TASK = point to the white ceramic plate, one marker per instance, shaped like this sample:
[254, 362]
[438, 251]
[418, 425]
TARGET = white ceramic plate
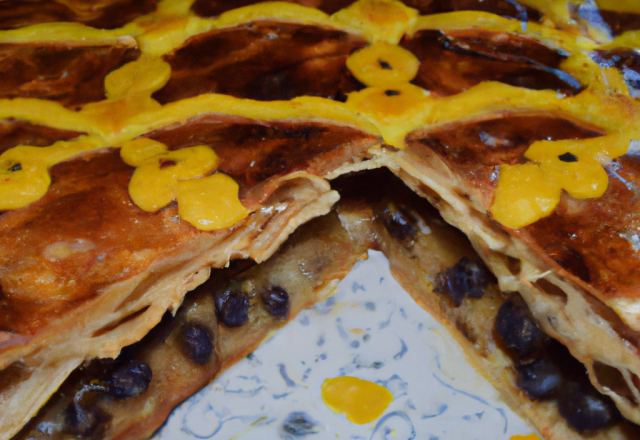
[373, 330]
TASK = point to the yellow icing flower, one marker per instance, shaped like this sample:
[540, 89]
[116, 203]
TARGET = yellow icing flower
[154, 183]
[531, 191]
[383, 64]
[211, 202]
[161, 176]
[572, 166]
[395, 110]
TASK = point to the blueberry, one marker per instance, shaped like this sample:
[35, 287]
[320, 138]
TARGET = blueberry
[276, 301]
[398, 226]
[585, 409]
[518, 330]
[129, 380]
[539, 379]
[465, 278]
[197, 343]
[232, 309]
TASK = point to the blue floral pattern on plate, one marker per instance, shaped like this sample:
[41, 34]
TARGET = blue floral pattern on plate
[370, 329]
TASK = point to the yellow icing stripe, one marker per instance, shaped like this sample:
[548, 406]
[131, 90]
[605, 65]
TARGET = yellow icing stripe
[72, 33]
[167, 35]
[379, 20]
[359, 400]
[304, 108]
[618, 5]
[141, 77]
[47, 113]
[465, 20]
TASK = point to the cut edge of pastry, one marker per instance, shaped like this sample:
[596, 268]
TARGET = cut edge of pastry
[565, 312]
[124, 312]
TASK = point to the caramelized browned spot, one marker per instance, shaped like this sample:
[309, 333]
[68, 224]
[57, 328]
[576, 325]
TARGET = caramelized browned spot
[263, 61]
[83, 235]
[210, 8]
[620, 22]
[108, 15]
[569, 259]
[68, 75]
[18, 13]
[453, 62]
[601, 232]
[505, 8]
[16, 132]
[251, 153]
[474, 149]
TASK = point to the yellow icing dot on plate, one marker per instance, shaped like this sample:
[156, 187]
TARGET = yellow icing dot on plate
[359, 400]
[525, 437]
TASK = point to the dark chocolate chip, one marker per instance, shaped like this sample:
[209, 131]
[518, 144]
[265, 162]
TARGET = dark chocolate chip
[197, 343]
[391, 92]
[16, 167]
[539, 378]
[466, 278]
[568, 157]
[384, 65]
[398, 226]
[232, 309]
[276, 301]
[585, 409]
[129, 380]
[517, 328]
